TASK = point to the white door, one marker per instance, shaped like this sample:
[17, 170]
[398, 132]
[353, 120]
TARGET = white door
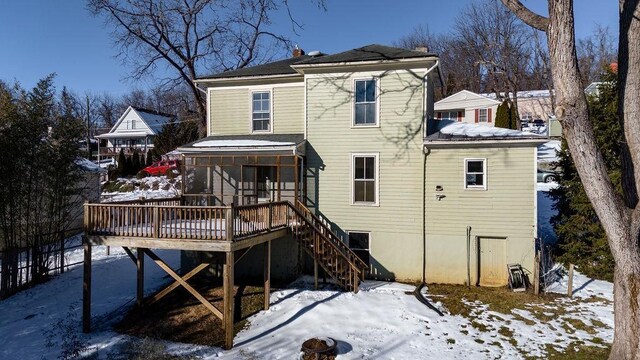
[493, 261]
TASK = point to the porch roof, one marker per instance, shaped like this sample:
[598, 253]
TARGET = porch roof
[123, 135]
[265, 144]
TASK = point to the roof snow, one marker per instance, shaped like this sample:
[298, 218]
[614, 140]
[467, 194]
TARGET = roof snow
[521, 94]
[241, 143]
[153, 119]
[450, 130]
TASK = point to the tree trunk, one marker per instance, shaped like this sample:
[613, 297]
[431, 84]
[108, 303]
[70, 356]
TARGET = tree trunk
[626, 289]
[626, 250]
[620, 217]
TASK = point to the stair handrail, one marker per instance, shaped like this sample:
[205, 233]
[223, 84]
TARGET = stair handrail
[363, 267]
[329, 241]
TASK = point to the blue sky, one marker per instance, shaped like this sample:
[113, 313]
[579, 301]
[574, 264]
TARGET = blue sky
[38, 37]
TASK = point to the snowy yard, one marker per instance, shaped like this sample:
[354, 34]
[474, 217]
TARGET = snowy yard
[381, 321]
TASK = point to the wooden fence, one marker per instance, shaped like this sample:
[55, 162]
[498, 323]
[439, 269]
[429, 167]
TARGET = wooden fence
[25, 266]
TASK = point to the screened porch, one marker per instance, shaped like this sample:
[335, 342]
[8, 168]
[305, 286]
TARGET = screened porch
[223, 171]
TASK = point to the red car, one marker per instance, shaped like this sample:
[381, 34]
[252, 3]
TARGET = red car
[162, 168]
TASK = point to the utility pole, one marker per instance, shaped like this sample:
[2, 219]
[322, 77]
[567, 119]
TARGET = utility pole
[88, 129]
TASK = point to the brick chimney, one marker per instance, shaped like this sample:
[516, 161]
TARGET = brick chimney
[297, 52]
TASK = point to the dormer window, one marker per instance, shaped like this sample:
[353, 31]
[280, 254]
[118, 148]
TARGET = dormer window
[366, 103]
[261, 111]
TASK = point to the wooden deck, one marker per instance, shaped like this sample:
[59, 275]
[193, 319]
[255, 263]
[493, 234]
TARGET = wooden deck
[165, 224]
[177, 227]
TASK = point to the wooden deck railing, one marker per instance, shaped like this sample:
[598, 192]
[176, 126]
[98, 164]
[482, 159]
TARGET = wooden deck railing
[254, 219]
[183, 222]
[228, 223]
[157, 221]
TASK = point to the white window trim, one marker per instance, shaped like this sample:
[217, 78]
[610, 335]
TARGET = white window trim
[271, 122]
[484, 172]
[353, 103]
[352, 201]
[480, 115]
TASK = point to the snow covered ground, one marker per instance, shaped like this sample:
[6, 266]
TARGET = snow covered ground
[28, 318]
[381, 321]
[547, 151]
[151, 187]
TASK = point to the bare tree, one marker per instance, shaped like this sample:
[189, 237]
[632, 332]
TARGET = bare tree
[192, 36]
[595, 52]
[619, 215]
[459, 66]
[500, 42]
[108, 111]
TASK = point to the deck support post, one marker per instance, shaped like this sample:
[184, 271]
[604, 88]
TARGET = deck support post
[315, 273]
[267, 273]
[86, 287]
[227, 302]
[140, 278]
[296, 180]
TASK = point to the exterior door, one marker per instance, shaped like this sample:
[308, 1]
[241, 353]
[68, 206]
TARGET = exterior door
[265, 183]
[492, 261]
[259, 184]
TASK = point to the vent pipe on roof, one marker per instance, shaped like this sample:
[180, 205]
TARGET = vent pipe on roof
[297, 52]
[423, 49]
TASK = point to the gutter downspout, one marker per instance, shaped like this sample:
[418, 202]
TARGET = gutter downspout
[425, 152]
[418, 291]
[468, 256]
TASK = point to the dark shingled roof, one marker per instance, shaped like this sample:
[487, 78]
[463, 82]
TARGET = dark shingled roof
[153, 112]
[293, 138]
[366, 53]
[281, 67]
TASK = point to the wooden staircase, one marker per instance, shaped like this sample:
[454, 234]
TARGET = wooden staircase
[325, 247]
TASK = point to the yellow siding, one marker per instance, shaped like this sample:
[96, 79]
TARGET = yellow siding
[230, 110]
[395, 225]
[506, 209]
[288, 110]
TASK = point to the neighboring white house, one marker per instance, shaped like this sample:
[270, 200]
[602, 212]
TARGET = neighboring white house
[135, 130]
[532, 104]
[467, 106]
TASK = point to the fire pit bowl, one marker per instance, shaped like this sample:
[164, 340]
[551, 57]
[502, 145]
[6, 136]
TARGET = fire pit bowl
[319, 348]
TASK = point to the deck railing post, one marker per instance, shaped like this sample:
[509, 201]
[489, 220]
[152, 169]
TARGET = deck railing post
[156, 221]
[86, 218]
[270, 215]
[229, 218]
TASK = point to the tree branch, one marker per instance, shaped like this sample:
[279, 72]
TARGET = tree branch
[529, 17]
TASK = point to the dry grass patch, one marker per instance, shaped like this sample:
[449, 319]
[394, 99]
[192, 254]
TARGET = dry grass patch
[180, 317]
[578, 351]
[501, 299]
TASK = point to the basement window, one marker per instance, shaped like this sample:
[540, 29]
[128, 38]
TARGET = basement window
[475, 174]
[359, 244]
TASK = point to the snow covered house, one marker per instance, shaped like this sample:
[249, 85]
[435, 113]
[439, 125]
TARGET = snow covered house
[469, 107]
[329, 162]
[350, 125]
[134, 130]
